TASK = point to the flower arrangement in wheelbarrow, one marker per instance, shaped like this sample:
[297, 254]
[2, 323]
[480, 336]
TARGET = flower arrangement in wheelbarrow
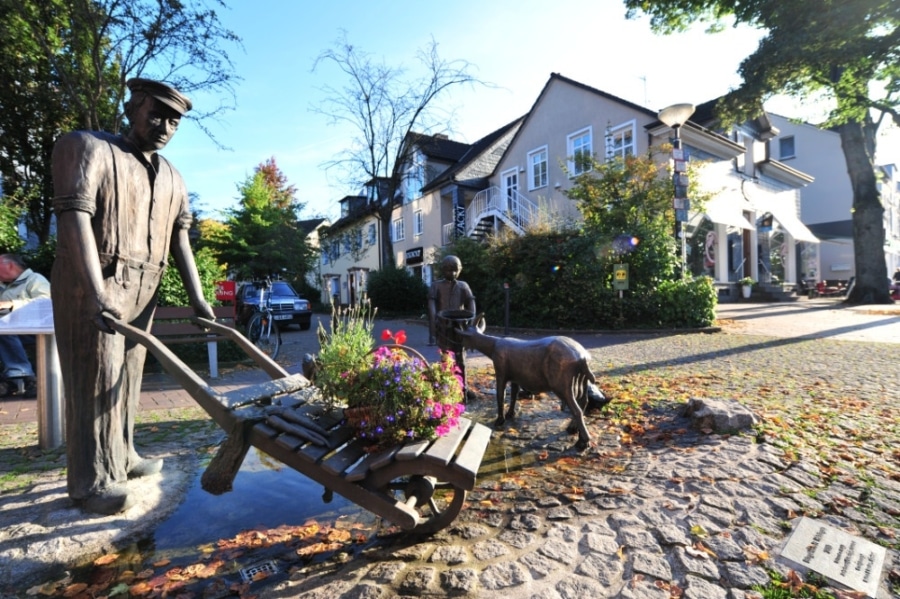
[401, 397]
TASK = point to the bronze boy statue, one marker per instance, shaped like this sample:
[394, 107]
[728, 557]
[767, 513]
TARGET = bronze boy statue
[446, 297]
[121, 210]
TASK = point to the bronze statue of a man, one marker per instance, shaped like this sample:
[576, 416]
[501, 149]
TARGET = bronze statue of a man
[121, 210]
[447, 295]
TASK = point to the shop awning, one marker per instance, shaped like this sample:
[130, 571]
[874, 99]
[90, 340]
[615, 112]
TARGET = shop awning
[785, 214]
[727, 211]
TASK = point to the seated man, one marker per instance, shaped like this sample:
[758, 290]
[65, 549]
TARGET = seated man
[18, 286]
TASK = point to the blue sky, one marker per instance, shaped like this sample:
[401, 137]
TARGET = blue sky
[514, 45]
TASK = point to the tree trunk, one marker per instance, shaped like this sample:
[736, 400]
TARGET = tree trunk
[870, 286]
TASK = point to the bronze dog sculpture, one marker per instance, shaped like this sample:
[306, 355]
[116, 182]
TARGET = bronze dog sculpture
[557, 364]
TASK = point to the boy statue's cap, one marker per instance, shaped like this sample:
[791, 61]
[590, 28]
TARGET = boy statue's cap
[169, 96]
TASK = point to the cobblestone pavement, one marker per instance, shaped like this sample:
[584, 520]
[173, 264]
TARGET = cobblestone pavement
[655, 508]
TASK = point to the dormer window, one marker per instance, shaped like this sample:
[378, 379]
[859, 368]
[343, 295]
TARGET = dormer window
[786, 147]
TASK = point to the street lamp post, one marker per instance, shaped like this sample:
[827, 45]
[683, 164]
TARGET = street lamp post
[675, 116]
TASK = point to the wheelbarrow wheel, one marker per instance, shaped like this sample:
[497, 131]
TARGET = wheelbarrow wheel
[438, 503]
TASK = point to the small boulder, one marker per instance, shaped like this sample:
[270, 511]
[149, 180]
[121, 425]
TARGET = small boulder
[719, 415]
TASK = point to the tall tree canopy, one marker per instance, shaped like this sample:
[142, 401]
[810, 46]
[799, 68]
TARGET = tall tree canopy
[846, 52]
[261, 237]
[64, 64]
[385, 106]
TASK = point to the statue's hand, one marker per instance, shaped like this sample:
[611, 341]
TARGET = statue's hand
[105, 306]
[203, 310]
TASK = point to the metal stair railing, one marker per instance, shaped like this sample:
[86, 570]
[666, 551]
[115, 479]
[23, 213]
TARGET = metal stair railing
[514, 209]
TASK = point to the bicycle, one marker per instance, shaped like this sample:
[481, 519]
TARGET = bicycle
[261, 328]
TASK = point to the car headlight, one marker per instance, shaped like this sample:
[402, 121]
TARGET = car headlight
[299, 305]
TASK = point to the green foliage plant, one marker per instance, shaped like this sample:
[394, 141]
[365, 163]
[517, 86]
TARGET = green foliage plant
[171, 290]
[395, 290]
[343, 349]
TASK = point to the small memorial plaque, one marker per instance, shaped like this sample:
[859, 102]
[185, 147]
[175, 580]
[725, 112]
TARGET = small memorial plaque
[842, 558]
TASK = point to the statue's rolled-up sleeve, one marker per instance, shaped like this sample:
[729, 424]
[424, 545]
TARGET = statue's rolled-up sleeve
[76, 172]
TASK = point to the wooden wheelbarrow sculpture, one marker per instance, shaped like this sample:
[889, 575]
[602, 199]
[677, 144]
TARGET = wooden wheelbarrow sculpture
[420, 487]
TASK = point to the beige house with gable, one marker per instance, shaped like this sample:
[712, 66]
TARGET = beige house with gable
[517, 175]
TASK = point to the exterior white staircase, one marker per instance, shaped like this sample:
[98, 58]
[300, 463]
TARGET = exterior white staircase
[492, 205]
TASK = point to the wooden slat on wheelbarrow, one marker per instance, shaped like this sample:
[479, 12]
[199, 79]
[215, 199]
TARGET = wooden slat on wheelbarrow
[344, 457]
[444, 448]
[469, 459]
[266, 390]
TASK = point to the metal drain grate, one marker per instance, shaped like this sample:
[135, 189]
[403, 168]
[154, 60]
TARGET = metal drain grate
[267, 568]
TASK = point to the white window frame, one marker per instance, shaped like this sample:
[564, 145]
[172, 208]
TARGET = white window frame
[781, 154]
[538, 170]
[571, 149]
[398, 229]
[418, 223]
[372, 236]
[415, 179]
[620, 132]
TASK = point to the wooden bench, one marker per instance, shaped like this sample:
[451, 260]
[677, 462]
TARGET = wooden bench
[172, 326]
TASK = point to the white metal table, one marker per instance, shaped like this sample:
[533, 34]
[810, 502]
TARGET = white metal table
[36, 318]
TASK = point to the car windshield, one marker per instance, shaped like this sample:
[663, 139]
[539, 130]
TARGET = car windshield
[281, 288]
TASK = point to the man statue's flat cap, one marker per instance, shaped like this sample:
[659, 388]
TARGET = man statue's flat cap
[169, 96]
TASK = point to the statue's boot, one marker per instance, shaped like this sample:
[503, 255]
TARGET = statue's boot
[145, 467]
[111, 500]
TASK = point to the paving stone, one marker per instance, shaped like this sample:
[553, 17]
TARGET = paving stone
[723, 518]
[642, 589]
[418, 580]
[549, 501]
[704, 566]
[469, 531]
[579, 587]
[638, 537]
[611, 502]
[488, 550]
[599, 527]
[560, 550]
[651, 563]
[717, 500]
[605, 569]
[742, 594]
[671, 534]
[517, 538]
[385, 572]
[744, 576]
[451, 555]
[546, 594]
[698, 588]
[586, 508]
[502, 576]
[620, 519]
[365, 590]
[525, 522]
[560, 513]
[494, 519]
[565, 531]
[524, 507]
[540, 565]
[597, 543]
[724, 546]
[459, 581]
[413, 552]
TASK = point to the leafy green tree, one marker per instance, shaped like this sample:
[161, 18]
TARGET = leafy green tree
[395, 290]
[260, 237]
[842, 51]
[171, 290]
[10, 241]
[64, 64]
[385, 108]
